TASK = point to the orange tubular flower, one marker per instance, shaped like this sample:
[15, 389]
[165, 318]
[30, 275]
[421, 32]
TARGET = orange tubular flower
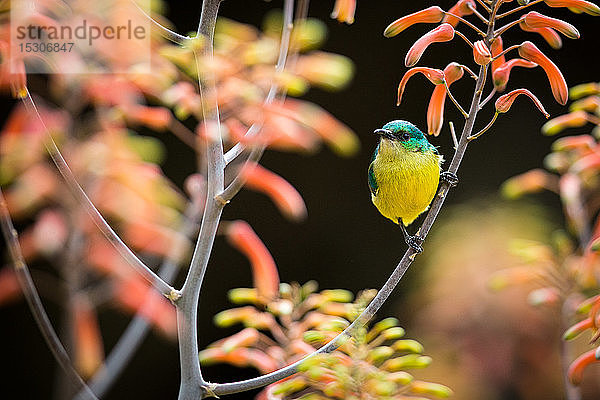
[530, 52]
[89, 348]
[435, 110]
[429, 15]
[461, 8]
[576, 6]
[496, 48]
[504, 102]
[443, 33]
[481, 53]
[435, 76]
[264, 271]
[548, 34]
[536, 20]
[283, 194]
[577, 367]
[502, 73]
[556, 125]
[344, 10]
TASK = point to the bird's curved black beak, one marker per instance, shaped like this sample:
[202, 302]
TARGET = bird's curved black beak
[383, 132]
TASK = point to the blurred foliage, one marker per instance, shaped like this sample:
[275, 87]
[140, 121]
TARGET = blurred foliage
[298, 321]
[567, 269]
[110, 127]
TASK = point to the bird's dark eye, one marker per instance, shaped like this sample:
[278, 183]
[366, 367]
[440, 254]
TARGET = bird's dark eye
[405, 136]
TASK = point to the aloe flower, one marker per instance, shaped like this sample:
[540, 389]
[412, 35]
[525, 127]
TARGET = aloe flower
[530, 52]
[481, 53]
[536, 20]
[435, 110]
[461, 8]
[504, 102]
[576, 6]
[502, 74]
[435, 76]
[443, 33]
[429, 15]
[344, 11]
[548, 34]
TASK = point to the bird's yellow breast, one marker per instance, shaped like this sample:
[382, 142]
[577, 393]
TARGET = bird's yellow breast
[406, 181]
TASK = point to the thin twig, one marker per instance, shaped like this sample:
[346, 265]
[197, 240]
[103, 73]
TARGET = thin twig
[477, 13]
[34, 302]
[488, 98]
[514, 10]
[97, 218]
[403, 265]
[453, 134]
[485, 129]
[506, 27]
[238, 182]
[183, 133]
[469, 71]
[462, 110]
[464, 21]
[514, 46]
[284, 46]
[485, 6]
[164, 31]
[464, 38]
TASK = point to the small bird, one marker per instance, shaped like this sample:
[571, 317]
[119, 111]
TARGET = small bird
[404, 175]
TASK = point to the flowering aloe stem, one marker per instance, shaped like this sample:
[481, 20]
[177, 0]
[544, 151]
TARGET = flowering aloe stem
[97, 218]
[33, 300]
[403, 265]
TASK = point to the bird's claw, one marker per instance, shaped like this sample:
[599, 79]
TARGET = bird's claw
[414, 242]
[450, 178]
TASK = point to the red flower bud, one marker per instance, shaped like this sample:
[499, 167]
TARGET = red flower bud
[435, 76]
[504, 102]
[530, 52]
[577, 367]
[548, 34]
[435, 111]
[442, 33]
[536, 20]
[481, 53]
[461, 8]
[575, 6]
[429, 15]
[264, 270]
[502, 73]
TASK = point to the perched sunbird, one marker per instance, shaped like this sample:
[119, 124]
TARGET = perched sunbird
[404, 175]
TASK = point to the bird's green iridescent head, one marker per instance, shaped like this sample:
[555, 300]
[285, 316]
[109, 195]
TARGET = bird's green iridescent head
[407, 135]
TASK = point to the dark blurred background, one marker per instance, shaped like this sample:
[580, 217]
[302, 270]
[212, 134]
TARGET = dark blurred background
[344, 242]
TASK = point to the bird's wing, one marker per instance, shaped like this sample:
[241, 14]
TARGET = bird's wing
[372, 181]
